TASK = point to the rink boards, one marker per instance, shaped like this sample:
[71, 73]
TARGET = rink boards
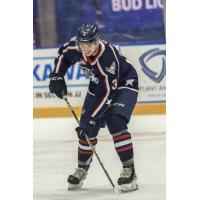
[148, 60]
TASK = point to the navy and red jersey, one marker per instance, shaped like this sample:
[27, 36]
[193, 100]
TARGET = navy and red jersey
[108, 70]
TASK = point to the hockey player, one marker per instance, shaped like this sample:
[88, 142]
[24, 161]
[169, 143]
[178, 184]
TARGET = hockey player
[111, 97]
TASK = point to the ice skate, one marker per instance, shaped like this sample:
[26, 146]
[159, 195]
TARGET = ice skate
[76, 180]
[127, 179]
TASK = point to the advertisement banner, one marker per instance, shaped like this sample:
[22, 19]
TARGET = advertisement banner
[117, 20]
[76, 80]
[148, 60]
[141, 14]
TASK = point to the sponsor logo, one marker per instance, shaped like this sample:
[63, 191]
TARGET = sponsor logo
[118, 104]
[57, 78]
[153, 64]
[91, 122]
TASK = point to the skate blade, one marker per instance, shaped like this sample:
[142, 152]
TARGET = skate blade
[128, 187]
[74, 186]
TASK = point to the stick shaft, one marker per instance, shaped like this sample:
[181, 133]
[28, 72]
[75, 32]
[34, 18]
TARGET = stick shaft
[88, 140]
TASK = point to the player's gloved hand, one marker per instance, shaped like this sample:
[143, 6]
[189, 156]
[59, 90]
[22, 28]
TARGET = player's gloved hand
[57, 84]
[82, 131]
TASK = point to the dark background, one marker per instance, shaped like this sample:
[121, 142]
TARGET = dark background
[56, 21]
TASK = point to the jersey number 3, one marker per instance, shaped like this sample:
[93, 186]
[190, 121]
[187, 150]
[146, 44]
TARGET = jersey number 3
[114, 84]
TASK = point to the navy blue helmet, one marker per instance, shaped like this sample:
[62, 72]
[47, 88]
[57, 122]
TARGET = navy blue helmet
[87, 33]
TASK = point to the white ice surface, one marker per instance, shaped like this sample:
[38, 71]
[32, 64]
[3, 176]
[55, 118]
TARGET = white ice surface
[55, 157]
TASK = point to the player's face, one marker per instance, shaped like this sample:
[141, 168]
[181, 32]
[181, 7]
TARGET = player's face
[89, 49]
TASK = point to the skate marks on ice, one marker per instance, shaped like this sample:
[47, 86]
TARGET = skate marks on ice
[100, 194]
[55, 160]
[84, 194]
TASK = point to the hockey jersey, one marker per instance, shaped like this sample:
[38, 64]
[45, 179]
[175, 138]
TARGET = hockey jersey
[108, 70]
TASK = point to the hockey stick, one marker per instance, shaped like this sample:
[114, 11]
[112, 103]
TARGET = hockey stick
[92, 147]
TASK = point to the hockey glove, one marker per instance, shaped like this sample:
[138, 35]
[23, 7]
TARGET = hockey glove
[81, 132]
[57, 84]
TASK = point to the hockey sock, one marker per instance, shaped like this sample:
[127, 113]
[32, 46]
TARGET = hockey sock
[85, 153]
[121, 137]
[123, 146]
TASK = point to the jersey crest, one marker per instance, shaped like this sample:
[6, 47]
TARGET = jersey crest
[112, 68]
[90, 74]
